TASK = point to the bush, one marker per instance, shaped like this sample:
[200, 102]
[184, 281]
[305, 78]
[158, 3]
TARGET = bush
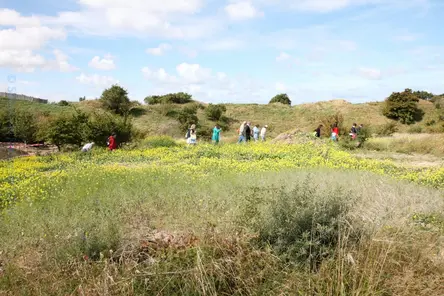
[387, 129]
[158, 141]
[63, 131]
[302, 226]
[63, 103]
[403, 106]
[415, 129]
[281, 98]
[329, 120]
[101, 126]
[215, 112]
[187, 116]
[24, 126]
[116, 100]
[172, 98]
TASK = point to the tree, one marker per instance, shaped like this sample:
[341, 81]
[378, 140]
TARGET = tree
[24, 126]
[281, 98]
[172, 98]
[72, 130]
[100, 127]
[63, 103]
[116, 100]
[424, 95]
[81, 99]
[215, 112]
[403, 106]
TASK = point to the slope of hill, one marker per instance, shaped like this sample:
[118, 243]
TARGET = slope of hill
[152, 119]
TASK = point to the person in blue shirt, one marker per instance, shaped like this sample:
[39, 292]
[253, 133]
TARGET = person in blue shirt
[216, 134]
[256, 132]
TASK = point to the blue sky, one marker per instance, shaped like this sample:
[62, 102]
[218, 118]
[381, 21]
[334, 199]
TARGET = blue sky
[241, 51]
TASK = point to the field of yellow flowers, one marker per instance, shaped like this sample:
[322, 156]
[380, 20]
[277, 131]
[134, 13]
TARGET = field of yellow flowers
[34, 178]
[253, 219]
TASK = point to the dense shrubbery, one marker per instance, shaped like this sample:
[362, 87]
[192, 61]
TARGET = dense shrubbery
[281, 98]
[387, 129]
[215, 112]
[329, 120]
[403, 106]
[115, 99]
[172, 98]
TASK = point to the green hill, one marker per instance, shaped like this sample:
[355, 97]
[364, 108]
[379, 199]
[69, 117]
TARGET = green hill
[153, 119]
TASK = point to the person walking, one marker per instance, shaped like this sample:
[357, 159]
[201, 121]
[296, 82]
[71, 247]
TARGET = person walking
[263, 132]
[191, 135]
[112, 144]
[353, 131]
[335, 132]
[256, 132]
[318, 131]
[247, 132]
[242, 136]
[216, 134]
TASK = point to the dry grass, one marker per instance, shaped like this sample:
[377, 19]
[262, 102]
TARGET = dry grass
[409, 143]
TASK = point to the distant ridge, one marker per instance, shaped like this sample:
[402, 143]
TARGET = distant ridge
[22, 97]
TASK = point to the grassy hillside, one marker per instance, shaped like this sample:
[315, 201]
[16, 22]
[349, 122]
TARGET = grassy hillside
[152, 119]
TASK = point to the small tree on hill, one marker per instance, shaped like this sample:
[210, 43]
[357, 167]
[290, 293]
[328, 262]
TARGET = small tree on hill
[281, 98]
[116, 100]
[403, 106]
[172, 98]
[215, 112]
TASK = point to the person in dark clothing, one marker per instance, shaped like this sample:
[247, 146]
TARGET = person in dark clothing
[247, 132]
[353, 131]
[318, 131]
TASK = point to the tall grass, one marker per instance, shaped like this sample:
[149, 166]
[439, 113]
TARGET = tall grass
[172, 234]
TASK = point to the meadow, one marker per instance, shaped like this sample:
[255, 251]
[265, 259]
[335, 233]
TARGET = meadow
[259, 219]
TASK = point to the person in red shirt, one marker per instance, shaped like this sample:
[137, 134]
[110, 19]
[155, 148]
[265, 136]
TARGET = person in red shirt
[112, 142]
[335, 132]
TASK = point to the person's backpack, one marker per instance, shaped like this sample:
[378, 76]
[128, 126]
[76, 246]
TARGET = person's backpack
[188, 134]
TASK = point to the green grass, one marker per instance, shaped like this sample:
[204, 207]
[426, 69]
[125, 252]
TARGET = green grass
[143, 233]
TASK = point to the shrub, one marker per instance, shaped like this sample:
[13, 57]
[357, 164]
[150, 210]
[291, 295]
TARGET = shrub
[172, 98]
[63, 103]
[116, 100]
[6, 132]
[187, 116]
[403, 106]
[387, 129]
[24, 126]
[415, 129]
[215, 112]
[158, 141]
[329, 120]
[101, 126]
[63, 131]
[302, 226]
[281, 98]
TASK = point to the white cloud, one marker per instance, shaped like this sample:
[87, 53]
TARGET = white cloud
[160, 50]
[106, 63]
[242, 10]
[169, 18]
[21, 60]
[9, 17]
[27, 61]
[369, 73]
[96, 80]
[283, 56]
[29, 38]
[202, 82]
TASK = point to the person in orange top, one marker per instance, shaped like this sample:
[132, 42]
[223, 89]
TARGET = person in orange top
[112, 142]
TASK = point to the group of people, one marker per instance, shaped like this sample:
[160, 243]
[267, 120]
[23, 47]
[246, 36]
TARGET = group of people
[246, 132]
[334, 130]
[191, 135]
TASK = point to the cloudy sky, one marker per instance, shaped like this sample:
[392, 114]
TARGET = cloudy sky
[222, 50]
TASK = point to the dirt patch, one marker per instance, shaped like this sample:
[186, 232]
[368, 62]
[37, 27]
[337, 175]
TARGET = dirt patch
[11, 150]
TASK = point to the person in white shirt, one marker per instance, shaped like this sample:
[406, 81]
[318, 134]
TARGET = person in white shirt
[263, 132]
[87, 147]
